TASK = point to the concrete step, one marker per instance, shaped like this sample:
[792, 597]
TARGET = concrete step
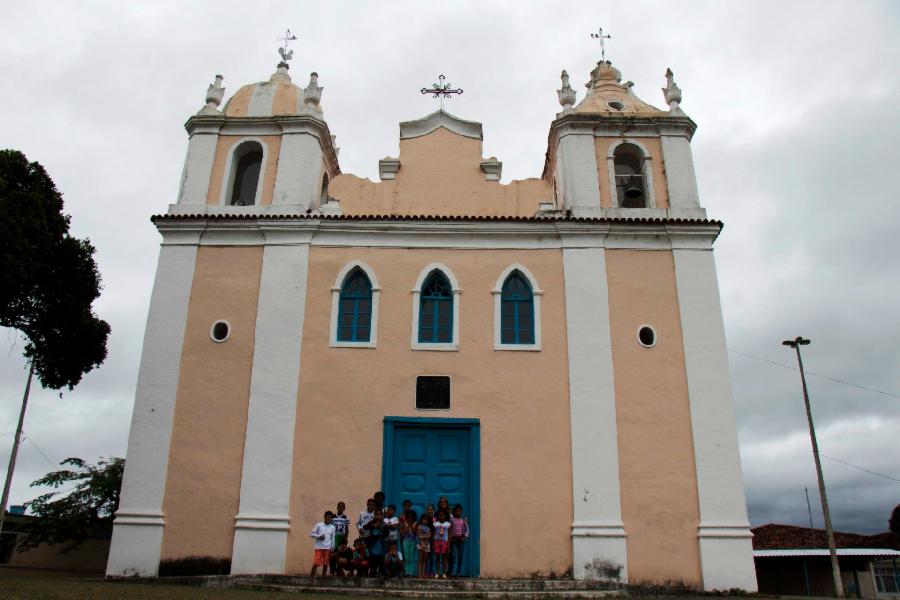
[443, 585]
[422, 592]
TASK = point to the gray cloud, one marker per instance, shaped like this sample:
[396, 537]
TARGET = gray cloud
[795, 152]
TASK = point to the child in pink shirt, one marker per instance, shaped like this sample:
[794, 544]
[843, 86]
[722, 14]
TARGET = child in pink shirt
[459, 533]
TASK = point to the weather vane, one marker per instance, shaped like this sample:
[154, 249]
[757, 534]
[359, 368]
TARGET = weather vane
[441, 90]
[286, 54]
[599, 36]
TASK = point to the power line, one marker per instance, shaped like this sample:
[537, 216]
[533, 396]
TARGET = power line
[834, 379]
[837, 460]
[50, 462]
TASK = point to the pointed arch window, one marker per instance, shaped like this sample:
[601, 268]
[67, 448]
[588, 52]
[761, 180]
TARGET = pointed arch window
[355, 308]
[436, 310]
[516, 311]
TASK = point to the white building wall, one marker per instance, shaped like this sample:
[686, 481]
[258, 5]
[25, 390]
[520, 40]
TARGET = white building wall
[198, 166]
[726, 552]
[263, 521]
[576, 170]
[138, 527]
[598, 536]
[679, 166]
[299, 177]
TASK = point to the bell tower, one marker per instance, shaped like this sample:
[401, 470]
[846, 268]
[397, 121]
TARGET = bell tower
[268, 151]
[614, 158]
[614, 155]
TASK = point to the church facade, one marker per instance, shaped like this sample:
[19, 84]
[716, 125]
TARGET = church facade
[550, 352]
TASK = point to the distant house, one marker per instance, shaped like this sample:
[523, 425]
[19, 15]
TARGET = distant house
[90, 557]
[794, 561]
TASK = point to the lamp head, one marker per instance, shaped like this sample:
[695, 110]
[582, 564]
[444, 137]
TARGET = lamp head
[798, 341]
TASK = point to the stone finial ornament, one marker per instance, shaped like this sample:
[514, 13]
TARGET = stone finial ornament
[214, 94]
[566, 95]
[672, 94]
[312, 93]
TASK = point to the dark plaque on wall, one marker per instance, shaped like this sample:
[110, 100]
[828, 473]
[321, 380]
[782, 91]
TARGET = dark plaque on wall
[433, 392]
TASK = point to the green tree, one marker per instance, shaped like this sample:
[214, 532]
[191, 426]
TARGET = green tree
[48, 279]
[71, 516]
[48, 282]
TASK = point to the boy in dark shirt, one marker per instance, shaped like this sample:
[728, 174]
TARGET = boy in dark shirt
[342, 559]
[376, 532]
[393, 564]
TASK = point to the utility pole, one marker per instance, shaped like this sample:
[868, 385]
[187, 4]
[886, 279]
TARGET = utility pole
[15, 448]
[835, 567]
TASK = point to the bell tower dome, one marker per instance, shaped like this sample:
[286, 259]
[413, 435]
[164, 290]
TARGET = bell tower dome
[614, 155]
[269, 150]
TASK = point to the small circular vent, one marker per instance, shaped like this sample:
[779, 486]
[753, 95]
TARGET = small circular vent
[220, 331]
[646, 336]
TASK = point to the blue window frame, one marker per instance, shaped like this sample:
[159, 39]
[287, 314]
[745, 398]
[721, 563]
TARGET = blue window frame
[436, 310]
[516, 311]
[355, 308]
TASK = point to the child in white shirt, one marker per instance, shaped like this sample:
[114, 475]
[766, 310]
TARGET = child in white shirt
[323, 534]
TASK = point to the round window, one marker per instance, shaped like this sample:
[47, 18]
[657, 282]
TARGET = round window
[220, 331]
[615, 105]
[646, 336]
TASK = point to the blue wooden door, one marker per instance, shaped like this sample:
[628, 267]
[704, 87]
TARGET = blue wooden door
[429, 461]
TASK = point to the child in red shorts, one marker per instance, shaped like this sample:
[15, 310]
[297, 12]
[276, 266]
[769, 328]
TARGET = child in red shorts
[323, 534]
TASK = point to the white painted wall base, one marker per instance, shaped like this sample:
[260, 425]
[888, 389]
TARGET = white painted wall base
[599, 552]
[138, 526]
[726, 558]
[136, 545]
[260, 545]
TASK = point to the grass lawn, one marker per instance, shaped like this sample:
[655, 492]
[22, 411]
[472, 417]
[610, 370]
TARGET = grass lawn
[64, 588]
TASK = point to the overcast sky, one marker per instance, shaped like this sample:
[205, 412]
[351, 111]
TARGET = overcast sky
[798, 107]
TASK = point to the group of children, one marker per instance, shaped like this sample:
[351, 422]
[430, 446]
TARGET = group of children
[389, 545]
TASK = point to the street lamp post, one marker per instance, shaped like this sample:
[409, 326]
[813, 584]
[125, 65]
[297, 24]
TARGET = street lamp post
[835, 568]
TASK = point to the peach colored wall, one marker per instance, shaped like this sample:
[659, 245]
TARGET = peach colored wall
[89, 557]
[239, 104]
[440, 174]
[206, 454]
[660, 189]
[656, 457]
[285, 100]
[223, 150]
[521, 399]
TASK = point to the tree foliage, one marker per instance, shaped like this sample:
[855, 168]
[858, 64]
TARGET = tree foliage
[71, 516]
[48, 279]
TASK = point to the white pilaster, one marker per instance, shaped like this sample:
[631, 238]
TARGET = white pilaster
[198, 164]
[726, 552]
[679, 165]
[262, 523]
[598, 536]
[299, 177]
[576, 170]
[138, 527]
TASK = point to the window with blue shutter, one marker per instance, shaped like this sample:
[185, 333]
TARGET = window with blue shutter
[355, 308]
[436, 310]
[516, 311]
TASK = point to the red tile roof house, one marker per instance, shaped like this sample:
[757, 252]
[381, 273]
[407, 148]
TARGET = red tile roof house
[794, 561]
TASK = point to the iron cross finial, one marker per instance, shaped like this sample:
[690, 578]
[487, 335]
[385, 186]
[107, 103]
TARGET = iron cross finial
[441, 90]
[599, 36]
[286, 54]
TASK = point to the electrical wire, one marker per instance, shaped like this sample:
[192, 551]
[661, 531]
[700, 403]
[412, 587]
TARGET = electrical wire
[41, 452]
[837, 460]
[808, 372]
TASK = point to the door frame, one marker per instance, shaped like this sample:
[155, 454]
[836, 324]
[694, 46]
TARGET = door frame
[474, 427]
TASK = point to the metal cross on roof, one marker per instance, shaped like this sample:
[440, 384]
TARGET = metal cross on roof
[286, 54]
[441, 90]
[599, 36]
